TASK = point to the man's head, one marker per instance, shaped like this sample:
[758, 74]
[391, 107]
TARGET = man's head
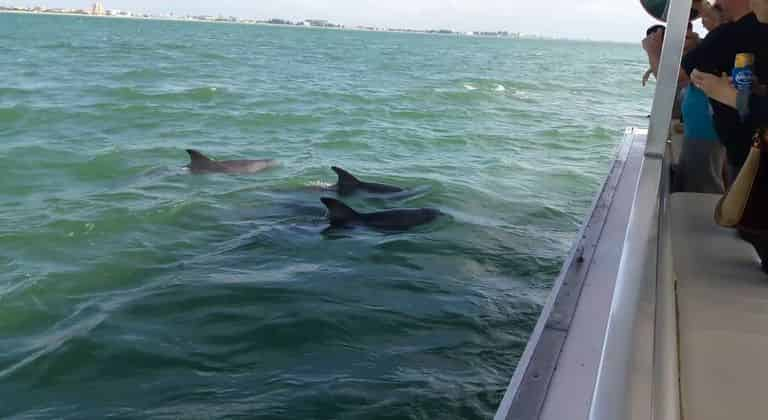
[760, 7]
[734, 10]
[717, 7]
[711, 14]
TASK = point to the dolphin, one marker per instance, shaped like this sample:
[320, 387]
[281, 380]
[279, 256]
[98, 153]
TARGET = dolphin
[348, 184]
[340, 215]
[200, 164]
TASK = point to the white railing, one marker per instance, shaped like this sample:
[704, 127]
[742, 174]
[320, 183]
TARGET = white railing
[623, 389]
[669, 71]
[666, 367]
[637, 378]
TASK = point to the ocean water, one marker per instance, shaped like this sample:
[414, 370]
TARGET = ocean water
[132, 289]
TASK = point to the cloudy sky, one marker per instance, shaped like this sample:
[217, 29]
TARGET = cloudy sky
[620, 20]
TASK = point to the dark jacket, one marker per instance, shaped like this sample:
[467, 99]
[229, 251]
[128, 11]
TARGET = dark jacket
[716, 55]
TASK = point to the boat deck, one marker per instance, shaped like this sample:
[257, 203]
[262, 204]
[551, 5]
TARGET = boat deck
[722, 298]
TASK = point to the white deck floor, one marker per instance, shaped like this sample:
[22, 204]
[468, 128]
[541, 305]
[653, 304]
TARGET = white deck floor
[723, 316]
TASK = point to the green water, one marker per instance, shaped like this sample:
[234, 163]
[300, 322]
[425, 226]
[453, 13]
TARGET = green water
[132, 289]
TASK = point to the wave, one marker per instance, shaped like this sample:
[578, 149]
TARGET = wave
[58, 45]
[343, 144]
[59, 337]
[11, 115]
[189, 95]
[10, 91]
[141, 75]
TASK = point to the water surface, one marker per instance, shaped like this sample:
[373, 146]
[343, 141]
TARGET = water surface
[129, 288]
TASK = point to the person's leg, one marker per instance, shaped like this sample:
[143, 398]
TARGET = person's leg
[700, 165]
[682, 168]
[715, 160]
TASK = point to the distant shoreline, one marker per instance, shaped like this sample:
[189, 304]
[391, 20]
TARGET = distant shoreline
[342, 28]
[172, 19]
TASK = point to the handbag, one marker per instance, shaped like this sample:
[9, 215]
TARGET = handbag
[745, 205]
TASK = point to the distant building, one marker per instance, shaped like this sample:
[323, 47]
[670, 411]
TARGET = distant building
[98, 9]
[280, 22]
[320, 23]
[317, 22]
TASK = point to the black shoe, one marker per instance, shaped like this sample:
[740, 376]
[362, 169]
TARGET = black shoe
[760, 243]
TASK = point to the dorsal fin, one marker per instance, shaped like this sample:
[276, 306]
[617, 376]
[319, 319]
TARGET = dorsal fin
[196, 156]
[347, 183]
[338, 212]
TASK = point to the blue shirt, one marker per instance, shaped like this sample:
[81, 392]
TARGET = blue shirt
[697, 115]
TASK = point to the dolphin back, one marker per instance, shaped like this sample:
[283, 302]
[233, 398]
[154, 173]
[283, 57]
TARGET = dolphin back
[347, 183]
[199, 162]
[339, 213]
[401, 218]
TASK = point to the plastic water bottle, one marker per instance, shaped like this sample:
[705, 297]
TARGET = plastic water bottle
[742, 81]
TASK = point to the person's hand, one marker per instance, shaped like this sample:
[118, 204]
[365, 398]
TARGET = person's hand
[653, 42]
[691, 41]
[678, 128]
[717, 88]
[647, 76]
[700, 5]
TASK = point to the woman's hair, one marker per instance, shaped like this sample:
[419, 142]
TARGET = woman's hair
[654, 28]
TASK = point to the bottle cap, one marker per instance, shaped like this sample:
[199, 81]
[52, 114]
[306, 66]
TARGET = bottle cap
[744, 60]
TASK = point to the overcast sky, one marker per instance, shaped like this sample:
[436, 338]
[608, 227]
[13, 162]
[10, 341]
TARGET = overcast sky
[619, 20]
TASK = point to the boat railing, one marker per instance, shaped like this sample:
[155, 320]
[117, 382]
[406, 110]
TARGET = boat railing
[638, 376]
[666, 366]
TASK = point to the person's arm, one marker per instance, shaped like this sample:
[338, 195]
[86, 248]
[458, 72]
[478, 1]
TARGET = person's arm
[652, 45]
[717, 88]
[721, 89]
[647, 76]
